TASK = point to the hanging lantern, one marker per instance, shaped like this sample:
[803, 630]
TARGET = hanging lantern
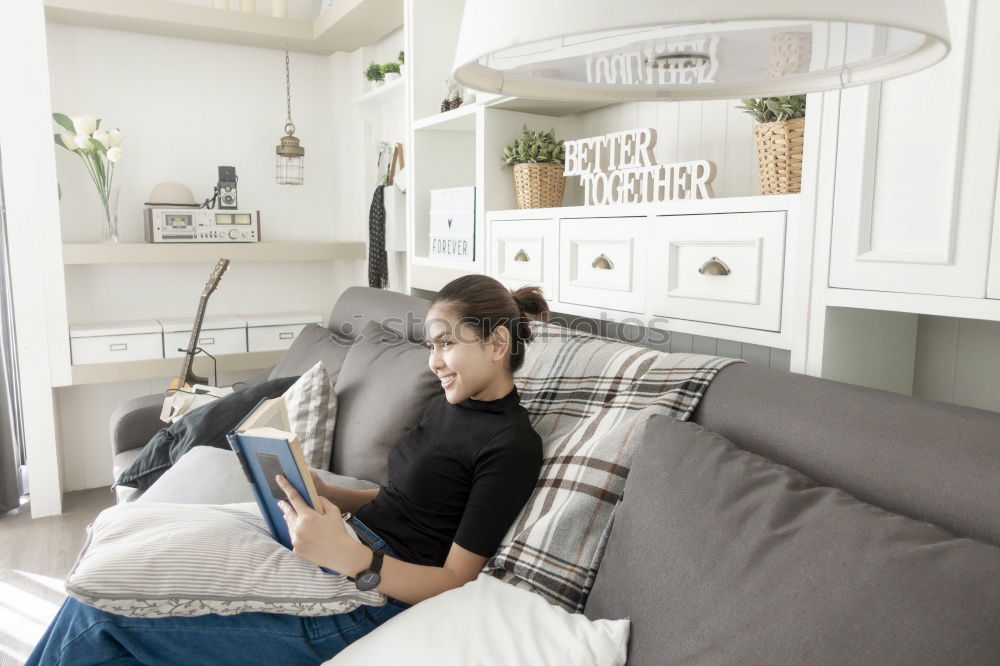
[288, 166]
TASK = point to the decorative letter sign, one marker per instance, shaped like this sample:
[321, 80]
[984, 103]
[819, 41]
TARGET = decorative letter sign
[620, 168]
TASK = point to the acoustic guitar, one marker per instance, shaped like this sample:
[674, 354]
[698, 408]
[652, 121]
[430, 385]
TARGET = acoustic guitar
[187, 378]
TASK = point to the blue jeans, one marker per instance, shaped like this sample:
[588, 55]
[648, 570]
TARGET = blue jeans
[81, 634]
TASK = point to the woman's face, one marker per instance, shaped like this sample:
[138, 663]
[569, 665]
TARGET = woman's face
[465, 365]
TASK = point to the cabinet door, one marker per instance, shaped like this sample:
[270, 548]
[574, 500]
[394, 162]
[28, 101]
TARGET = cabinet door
[723, 269]
[601, 262]
[523, 252]
[914, 156]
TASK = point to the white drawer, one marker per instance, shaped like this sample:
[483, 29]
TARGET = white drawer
[114, 348]
[218, 341]
[524, 252]
[268, 338]
[684, 250]
[601, 262]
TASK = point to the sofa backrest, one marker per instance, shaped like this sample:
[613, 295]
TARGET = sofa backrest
[359, 305]
[926, 460]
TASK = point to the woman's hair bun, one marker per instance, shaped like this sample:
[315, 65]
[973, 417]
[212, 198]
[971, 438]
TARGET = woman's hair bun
[531, 302]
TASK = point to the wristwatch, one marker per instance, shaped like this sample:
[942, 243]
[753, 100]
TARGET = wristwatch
[370, 578]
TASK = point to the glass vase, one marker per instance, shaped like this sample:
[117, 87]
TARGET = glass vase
[109, 225]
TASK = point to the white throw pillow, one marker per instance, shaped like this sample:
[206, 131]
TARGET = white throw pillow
[312, 414]
[486, 622]
[165, 559]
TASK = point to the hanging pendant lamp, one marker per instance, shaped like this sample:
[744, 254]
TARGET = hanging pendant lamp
[288, 167]
[689, 49]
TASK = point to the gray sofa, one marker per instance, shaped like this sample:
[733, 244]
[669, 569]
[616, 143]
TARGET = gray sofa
[926, 473]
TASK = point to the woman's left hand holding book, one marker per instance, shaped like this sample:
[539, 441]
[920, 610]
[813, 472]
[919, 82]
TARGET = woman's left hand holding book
[320, 535]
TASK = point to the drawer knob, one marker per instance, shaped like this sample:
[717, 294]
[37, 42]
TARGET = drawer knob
[118, 346]
[602, 262]
[714, 266]
[285, 335]
[521, 256]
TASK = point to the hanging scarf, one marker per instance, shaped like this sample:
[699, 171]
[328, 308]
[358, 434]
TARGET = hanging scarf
[378, 269]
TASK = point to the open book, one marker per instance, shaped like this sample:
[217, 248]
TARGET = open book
[266, 447]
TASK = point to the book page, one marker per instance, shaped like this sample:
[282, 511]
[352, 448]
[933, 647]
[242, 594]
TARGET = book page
[271, 414]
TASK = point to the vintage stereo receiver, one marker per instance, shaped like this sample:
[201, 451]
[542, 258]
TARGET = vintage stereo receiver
[201, 225]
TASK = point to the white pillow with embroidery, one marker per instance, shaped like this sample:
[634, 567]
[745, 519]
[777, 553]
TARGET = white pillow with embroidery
[162, 559]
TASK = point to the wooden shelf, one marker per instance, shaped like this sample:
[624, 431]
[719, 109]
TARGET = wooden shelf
[175, 253]
[462, 119]
[346, 26]
[99, 373]
[387, 93]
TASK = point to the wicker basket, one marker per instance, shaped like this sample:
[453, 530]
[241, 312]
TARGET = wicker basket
[539, 184]
[779, 155]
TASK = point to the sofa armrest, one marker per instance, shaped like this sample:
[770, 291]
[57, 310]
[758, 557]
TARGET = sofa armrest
[134, 422]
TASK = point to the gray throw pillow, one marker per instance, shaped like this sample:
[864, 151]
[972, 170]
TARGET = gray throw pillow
[313, 343]
[721, 556]
[383, 388]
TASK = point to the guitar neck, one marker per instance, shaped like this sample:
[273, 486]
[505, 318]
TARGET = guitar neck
[193, 342]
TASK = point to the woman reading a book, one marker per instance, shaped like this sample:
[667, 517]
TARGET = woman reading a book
[456, 483]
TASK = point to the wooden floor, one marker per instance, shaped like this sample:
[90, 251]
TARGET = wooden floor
[35, 557]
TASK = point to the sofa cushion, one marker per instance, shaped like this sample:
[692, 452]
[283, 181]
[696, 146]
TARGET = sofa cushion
[587, 397]
[206, 475]
[876, 445]
[719, 556]
[205, 426]
[313, 343]
[489, 623]
[183, 560]
[383, 388]
[311, 405]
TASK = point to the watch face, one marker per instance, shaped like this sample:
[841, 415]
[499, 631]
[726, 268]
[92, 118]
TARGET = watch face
[369, 580]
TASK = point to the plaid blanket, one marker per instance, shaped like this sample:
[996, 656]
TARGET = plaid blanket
[587, 396]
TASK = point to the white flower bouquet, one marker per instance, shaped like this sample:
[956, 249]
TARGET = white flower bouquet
[100, 151]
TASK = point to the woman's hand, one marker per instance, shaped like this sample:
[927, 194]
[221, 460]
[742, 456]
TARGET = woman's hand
[320, 536]
[322, 488]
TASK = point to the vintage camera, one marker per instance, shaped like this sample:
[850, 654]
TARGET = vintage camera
[227, 187]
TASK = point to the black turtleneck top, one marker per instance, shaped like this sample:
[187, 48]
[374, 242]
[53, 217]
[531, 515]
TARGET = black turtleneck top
[463, 475]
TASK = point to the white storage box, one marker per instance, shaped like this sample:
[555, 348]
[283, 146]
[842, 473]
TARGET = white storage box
[453, 223]
[220, 334]
[276, 330]
[110, 342]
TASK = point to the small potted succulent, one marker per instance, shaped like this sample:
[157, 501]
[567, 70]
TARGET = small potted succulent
[537, 158]
[374, 75]
[391, 71]
[779, 132]
[402, 65]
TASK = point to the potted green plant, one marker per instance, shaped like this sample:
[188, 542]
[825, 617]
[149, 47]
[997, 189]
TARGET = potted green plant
[779, 131]
[537, 159]
[374, 75]
[401, 63]
[391, 71]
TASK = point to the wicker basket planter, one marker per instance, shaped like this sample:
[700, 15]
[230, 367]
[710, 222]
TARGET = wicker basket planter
[539, 184]
[779, 155]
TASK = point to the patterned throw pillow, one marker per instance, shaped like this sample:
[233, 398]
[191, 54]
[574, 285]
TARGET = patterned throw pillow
[217, 558]
[312, 414]
[589, 398]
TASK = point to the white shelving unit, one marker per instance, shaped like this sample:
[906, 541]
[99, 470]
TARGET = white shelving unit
[101, 373]
[386, 94]
[165, 253]
[346, 26]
